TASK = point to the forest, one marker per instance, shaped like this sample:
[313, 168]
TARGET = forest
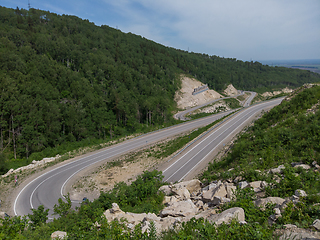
[64, 80]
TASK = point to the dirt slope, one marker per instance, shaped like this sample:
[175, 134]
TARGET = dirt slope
[184, 97]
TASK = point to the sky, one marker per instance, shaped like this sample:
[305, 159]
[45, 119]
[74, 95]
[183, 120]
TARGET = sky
[248, 30]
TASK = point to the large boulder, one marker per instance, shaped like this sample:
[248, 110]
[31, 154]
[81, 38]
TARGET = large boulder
[219, 191]
[179, 209]
[168, 200]
[227, 215]
[193, 185]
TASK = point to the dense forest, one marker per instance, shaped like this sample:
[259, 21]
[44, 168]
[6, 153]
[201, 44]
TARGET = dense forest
[63, 79]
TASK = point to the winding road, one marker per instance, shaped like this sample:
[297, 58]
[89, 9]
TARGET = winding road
[47, 188]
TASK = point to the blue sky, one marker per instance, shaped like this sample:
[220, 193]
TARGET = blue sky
[243, 29]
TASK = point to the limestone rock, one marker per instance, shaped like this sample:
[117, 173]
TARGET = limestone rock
[316, 224]
[300, 193]
[262, 202]
[220, 200]
[193, 185]
[182, 192]
[277, 170]
[180, 209]
[304, 166]
[243, 184]
[210, 186]
[166, 189]
[231, 189]
[168, 200]
[298, 234]
[218, 191]
[227, 215]
[58, 235]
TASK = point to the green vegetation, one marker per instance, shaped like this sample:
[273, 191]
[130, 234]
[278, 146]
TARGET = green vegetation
[65, 80]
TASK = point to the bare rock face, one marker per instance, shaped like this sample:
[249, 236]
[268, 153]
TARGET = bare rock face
[262, 202]
[180, 209]
[58, 235]
[227, 215]
[166, 189]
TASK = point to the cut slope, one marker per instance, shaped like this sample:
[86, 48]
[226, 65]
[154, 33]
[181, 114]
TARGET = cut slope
[184, 97]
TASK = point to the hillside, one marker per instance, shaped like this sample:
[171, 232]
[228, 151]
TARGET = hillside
[269, 181]
[65, 81]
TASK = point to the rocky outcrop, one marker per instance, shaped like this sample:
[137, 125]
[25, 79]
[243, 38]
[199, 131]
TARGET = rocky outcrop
[222, 190]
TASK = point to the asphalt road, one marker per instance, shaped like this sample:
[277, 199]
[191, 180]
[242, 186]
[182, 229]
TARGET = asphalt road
[48, 187]
[181, 115]
[203, 150]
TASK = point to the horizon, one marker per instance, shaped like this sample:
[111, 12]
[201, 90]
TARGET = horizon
[247, 31]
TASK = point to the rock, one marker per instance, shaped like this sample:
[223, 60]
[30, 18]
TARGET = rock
[297, 234]
[182, 192]
[277, 170]
[199, 204]
[227, 215]
[132, 218]
[166, 189]
[210, 186]
[206, 213]
[180, 209]
[243, 222]
[193, 185]
[316, 224]
[169, 200]
[58, 235]
[218, 191]
[273, 218]
[315, 164]
[262, 202]
[231, 189]
[304, 166]
[258, 186]
[243, 184]
[288, 226]
[220, 200]
[300, 193]
[237, 179]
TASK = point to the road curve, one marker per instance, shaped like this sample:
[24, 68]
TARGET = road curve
[181, 115]
[47, 188]
[203, 150]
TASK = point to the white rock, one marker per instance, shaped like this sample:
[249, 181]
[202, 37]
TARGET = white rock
[243, 184]
[220, 200]
[180, 209]
[316, 224]
[227, 215]
[218, 191]
[182, 192]
[277, 170]
[58, 235]
[304, 166]
[300, 193]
